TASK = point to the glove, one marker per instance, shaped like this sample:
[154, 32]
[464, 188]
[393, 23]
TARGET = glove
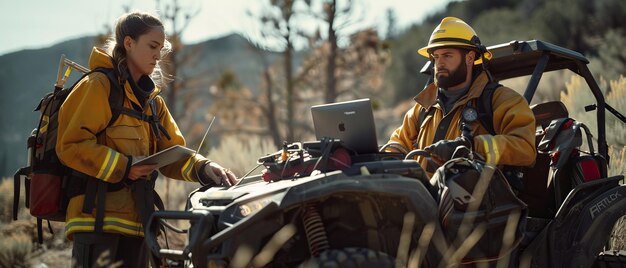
[219, 175]
[443, 150]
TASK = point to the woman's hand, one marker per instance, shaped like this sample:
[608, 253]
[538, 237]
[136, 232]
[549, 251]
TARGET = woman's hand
[220, 175]
[137, 172]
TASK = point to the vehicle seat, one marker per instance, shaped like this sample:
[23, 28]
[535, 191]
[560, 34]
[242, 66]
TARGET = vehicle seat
[538, 191]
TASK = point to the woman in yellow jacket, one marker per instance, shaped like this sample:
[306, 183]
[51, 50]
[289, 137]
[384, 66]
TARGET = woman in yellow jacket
[101, 152]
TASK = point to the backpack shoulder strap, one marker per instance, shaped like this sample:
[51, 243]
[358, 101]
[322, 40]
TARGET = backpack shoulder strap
[485, 107]
[422, 115]
[513, 174]
[420, 120]
[116, 102]
[156, 124]
[116, 94]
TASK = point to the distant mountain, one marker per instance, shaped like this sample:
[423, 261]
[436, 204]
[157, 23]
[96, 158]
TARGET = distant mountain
[25, 76]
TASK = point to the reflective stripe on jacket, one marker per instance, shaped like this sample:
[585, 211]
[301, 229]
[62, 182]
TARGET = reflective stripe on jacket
[512, 119]
[84, 113]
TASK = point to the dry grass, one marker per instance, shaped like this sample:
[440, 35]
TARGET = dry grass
[240, 152]
[549, 89]
[15, 250]
[578, 96]
[618, 161]
[6, 200]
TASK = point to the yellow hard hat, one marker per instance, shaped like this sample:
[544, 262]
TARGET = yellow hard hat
[454, 32]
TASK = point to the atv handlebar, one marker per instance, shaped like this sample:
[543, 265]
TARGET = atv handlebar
[417, 152]
[432, 165]
[394, 145]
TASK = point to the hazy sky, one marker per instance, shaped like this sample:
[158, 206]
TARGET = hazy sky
[36, 24]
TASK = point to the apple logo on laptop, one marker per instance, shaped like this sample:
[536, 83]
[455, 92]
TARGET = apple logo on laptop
[342, 127]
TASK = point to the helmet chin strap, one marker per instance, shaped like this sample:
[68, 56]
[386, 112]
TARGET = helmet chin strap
[489, 76]
[482, 49]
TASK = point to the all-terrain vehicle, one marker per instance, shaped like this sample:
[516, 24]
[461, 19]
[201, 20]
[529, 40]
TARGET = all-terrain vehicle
[318, 204]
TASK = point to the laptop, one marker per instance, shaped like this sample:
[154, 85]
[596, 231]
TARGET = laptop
[352, 122]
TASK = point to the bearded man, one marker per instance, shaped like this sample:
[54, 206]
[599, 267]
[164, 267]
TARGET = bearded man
[434, 123]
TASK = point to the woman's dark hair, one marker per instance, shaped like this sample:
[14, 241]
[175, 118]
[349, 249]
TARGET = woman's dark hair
[134, 24]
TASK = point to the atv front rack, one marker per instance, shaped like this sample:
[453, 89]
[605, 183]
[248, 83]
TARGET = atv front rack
[202, 226]
[203, 219]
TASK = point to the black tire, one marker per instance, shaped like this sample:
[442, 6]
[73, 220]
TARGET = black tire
[350, 258]
[614, 254]
[610, 259]
[617, 240]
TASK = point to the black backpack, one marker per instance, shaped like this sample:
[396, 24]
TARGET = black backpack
[477, 201]
[49, 185]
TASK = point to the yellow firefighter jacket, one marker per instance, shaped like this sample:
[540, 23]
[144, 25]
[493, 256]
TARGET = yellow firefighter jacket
[84, 113]
[513, 121]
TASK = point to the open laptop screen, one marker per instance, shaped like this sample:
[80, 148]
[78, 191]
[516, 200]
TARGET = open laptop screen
[352, 122]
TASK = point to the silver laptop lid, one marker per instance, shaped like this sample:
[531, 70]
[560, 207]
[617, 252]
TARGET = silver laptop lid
[352, 122]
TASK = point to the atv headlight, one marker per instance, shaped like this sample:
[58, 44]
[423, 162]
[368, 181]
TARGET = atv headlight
[253, 206]
[249, 207]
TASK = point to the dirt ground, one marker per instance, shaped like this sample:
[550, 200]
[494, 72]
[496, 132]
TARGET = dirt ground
[51, 258]
[57, 252]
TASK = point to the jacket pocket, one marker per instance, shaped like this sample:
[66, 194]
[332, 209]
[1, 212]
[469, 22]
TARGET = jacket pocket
[120, 202]
[127, 139]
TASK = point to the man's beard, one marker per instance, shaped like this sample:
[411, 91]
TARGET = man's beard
[454, 77]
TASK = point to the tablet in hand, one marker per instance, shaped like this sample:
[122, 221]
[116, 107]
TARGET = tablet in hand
[165, 157]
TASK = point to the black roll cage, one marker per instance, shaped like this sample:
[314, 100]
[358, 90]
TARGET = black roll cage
[535, 57]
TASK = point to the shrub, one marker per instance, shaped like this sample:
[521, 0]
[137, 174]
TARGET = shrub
[577, 96]
[6, 200]
[618, 161]
[14, 250]
[240, 153]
